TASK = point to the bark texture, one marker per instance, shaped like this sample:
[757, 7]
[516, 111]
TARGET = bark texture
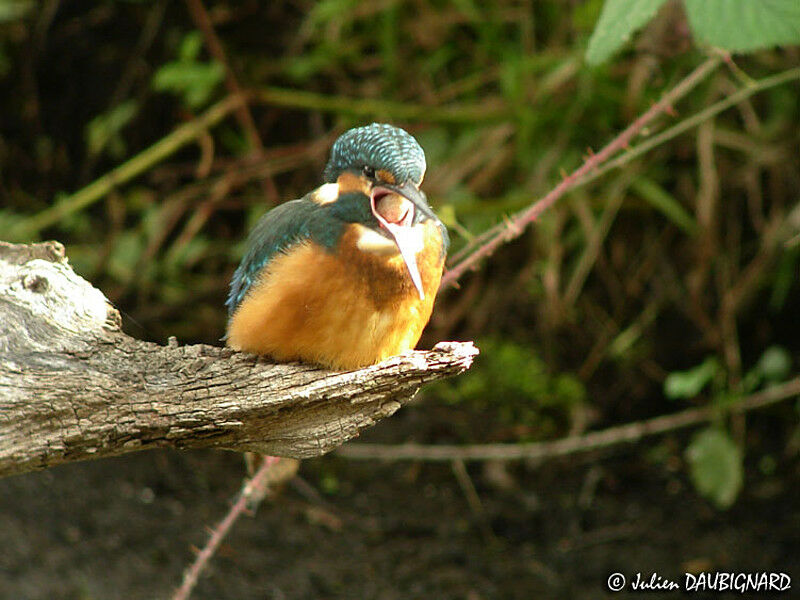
[73, 386]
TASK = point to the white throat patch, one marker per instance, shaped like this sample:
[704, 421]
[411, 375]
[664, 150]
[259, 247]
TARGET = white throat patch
[326, 193]
[373, 242]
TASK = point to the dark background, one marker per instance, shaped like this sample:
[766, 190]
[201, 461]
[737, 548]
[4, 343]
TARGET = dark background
[580, 321]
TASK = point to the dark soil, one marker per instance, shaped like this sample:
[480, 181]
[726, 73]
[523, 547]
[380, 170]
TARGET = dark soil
[125, 528]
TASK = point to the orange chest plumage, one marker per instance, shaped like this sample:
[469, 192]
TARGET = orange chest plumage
[344, 309]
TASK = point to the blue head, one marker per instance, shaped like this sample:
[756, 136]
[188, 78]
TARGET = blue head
[390, 166]
[377, 150]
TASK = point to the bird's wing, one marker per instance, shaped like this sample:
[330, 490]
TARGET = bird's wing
[277, 231]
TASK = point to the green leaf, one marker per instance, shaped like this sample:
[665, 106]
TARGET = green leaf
[194, 81]
[744, 25]
[190, 47]
[715, 466]
[687, 384]
[784, 279]
[13, 10]
[188, 77]
[618, 21]
[125, 255]
[775, 364]
[9, 221]
[767, 465]
[105, 128]
[665, 203]
[330, 10]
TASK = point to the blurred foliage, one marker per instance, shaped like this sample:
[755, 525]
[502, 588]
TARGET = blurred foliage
[688, 256]
[715, 464]
[513, 385]
[689, 383]
[774, 366]
[12, 10]
[105, 130]
[187, 77]
[715, 460]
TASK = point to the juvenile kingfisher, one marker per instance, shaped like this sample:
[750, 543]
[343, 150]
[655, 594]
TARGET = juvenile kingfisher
[345, 276]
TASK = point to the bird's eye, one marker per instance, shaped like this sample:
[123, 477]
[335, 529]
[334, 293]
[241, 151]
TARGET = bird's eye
[369, 172]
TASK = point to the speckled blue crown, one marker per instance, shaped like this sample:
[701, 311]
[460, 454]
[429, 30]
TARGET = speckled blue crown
[381, 146]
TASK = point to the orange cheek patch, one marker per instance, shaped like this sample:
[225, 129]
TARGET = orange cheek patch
[348, 182]
[433, 246]
[431, 260]
[385, 176]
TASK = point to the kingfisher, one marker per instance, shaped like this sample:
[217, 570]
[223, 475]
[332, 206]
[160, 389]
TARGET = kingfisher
[345, 276]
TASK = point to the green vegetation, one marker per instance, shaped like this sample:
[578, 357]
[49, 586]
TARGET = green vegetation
[715, 463]
[514, 385]
[736, 25]
[194, 81]
[715, 460]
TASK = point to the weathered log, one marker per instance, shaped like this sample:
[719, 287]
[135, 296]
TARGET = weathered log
[73, 386]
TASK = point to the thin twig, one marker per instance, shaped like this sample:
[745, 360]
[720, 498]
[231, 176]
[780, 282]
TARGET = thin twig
[693, 121]
[508, 231]
[503, 234]
[133, 67]
[256, 484]
[243, 115]
[631, 432]
[473, 499]
[214, 45]
[596, 236]
[371, 107]
[138, 164]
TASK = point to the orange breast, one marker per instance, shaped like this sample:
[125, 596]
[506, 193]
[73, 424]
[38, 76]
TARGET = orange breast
[344, 310]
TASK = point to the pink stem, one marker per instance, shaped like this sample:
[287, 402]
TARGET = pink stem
[218, 534]
[507, 231]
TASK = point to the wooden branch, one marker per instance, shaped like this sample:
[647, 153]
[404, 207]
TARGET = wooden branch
[74, 387]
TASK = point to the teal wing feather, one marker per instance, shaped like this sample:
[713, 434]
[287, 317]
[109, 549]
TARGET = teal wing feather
[277, 231]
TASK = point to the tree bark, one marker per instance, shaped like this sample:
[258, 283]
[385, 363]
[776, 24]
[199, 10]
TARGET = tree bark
[73, 386]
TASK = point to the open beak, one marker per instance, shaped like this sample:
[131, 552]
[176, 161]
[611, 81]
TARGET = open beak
[400, 226]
